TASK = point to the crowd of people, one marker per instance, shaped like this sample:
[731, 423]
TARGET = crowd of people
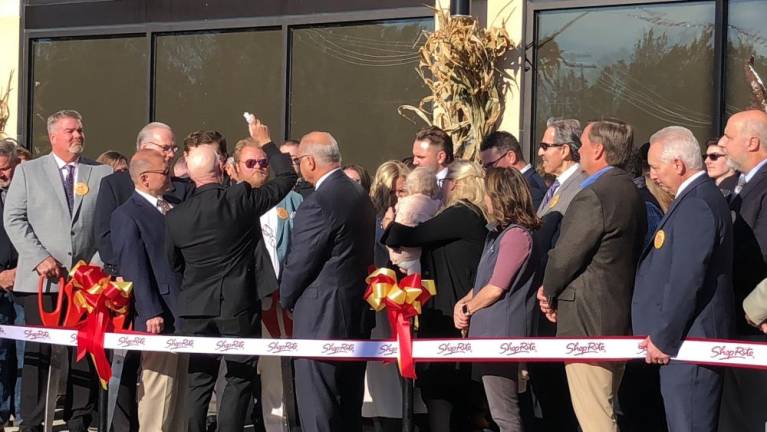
[606, 238]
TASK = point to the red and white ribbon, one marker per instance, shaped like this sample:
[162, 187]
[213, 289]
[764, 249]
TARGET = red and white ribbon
[700, 351]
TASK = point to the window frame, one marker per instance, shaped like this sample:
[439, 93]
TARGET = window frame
[533, 7]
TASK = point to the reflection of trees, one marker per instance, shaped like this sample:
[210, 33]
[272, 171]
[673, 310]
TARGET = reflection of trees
[658, 84]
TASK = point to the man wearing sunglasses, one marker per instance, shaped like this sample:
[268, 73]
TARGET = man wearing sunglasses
[502, 150]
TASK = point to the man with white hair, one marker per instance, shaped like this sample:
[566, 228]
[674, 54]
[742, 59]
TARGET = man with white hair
[210, 238]
[683, 286]
[323, 282]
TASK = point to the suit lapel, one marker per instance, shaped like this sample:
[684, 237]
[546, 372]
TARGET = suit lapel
[754, 183]
[54, 177]
[83, 174]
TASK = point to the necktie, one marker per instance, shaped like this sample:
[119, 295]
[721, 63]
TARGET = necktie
[550, 193]
[741, 183]
[163, 205]
[69, 185]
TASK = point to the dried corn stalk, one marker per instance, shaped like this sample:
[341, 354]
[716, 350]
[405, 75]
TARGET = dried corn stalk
[5, 112]
[757, 86]
[461, 63]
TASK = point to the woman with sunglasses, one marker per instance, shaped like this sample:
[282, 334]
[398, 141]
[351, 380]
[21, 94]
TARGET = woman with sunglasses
[718, 168]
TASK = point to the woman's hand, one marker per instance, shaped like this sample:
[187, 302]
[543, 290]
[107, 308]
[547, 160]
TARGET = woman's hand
[460, 320]
[388, 218]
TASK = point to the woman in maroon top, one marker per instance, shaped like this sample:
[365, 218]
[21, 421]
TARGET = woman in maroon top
[503, 299]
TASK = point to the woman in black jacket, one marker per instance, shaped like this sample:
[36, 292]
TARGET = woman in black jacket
[451, 245]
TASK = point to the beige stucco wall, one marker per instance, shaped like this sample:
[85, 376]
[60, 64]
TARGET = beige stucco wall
[9, 56]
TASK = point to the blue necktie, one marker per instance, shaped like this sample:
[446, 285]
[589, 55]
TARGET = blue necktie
[550, 193]
[69, 185]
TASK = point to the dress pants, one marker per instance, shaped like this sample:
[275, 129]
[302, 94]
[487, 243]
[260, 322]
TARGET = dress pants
[503, 401]
[241, 372]
[691, 395]
[329, 395]
[594, 388]
[161, 391]
[82, 382]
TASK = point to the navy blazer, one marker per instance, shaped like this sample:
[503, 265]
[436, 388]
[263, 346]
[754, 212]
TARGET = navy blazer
[536, 185]
[684, 283]
[331, 247]
[138, 241]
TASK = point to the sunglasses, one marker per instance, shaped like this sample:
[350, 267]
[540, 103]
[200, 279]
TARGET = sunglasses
[492, 164]
[251, 163]
[713, 156]
[546, 146]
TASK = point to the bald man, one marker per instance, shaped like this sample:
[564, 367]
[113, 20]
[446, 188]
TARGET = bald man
[745, 142]
[211, 239]
[323, 282]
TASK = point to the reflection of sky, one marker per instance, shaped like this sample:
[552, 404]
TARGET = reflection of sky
[747, 21]
[606, 35]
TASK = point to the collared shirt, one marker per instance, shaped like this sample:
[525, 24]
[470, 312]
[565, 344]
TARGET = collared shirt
[562, 178]
[60, 163]
[322, 179]
[441, 174]
[525, 169]
[687, 182]
[152, 200]
[755, 170]
[594, 177]
[269, 223]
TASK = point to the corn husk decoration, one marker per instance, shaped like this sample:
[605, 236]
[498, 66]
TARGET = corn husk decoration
[462, 65]
[756, 85]
[5, 112]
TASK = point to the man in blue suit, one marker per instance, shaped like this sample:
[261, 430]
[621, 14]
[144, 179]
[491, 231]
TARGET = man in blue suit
[684, 282]
[323, 283]
[138, 240]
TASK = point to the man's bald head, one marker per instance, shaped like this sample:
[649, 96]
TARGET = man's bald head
[745, 140]
[145, 160]
[318, 154]
[753, 123]
[203, 165]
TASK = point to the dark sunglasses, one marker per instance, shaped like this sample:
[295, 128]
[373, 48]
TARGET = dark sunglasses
[546, 146]
[713, 156]
[251, 163]
[492, 164]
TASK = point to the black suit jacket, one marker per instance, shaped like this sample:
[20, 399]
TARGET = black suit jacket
[750, 233]
[212, 238]
[536, 185]
[8, 255]
[331, 247]
[115, 189]
[590, 272]
[138, 239]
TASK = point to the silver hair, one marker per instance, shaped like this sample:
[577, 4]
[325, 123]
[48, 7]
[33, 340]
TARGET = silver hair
[567, 131]
[8, 148]
[58, 115]
[143, 134]
[422, 180]
[324, 153]
[679, 143]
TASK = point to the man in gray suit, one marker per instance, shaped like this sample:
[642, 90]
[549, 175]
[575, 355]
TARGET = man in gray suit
[49, 217]
[559, 157]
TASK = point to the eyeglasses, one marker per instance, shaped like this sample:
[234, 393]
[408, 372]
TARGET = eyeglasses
[492, 164]
[250, 163]
[546, 146]
[297, 159]
[165, 172]
[713, 156]
[165, 149]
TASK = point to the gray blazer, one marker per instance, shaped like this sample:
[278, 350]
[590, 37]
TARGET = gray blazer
[38, 222]
[566, 192]
[755, 304]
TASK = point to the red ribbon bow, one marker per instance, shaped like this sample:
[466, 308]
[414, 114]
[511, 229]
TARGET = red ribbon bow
[403, 302]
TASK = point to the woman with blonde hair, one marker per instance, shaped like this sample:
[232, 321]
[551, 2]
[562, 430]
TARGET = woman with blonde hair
[451, 243]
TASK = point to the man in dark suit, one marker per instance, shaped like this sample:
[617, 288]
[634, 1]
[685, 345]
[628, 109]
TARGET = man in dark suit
[211, 238]
[323, 282]
[138, 238]
[501, 149]
[9, 354]
[745, 142]
[683, 285]
[590, 273]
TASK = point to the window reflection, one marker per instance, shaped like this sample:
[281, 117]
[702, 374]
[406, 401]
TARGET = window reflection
[648, 65]
[746, 36]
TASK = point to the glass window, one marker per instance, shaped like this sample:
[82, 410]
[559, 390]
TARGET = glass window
[349, 80]
[103, 79]
[746, 37]
[207, 80]
[650, 65]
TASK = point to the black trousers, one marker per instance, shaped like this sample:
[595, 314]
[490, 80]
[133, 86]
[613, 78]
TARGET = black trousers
[329, 395]
[126, 410]
[549, 383]
[241, 373]
[82, 381]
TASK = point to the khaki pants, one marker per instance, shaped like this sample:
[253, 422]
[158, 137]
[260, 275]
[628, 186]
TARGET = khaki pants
[593, 389]
[161, 392]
